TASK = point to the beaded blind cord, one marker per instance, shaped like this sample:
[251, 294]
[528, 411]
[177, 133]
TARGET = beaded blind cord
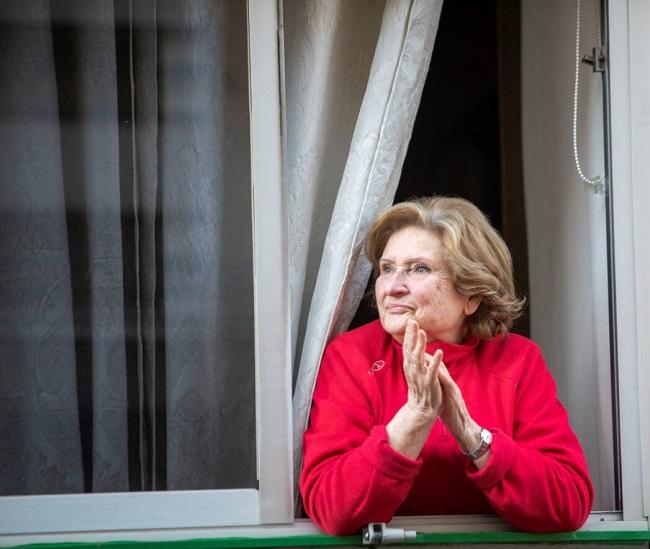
[595, 184]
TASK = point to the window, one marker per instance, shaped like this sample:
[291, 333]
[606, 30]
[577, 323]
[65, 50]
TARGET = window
[157, 510]
[486, 135]
[145, 363]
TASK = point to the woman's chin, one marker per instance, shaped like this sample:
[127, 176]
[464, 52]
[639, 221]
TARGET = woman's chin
[395, 325]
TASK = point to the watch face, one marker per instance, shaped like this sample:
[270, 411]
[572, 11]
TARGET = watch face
[486, 436]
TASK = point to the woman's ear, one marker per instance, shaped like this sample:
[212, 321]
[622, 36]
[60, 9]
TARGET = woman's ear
[472, 304]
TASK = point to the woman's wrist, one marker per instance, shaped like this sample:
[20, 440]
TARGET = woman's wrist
[409, 429]
[421, 413]
[469, 436]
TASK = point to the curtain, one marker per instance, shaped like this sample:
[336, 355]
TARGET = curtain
[126, 332]
[566, 225]
[324, 90]
[336, 197]
[126, 337]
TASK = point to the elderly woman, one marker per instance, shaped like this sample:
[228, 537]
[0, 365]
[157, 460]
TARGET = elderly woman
[435, 408]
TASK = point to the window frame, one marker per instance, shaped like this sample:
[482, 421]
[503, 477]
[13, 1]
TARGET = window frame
[272, 502]
[631, 263]
[629, 175]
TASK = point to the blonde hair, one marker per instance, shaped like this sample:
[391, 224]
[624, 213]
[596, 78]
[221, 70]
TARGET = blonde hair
[477, 257]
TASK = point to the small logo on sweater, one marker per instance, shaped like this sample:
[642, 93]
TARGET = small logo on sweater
[376, 366]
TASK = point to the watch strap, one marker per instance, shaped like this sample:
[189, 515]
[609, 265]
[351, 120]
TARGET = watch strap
[482, 448]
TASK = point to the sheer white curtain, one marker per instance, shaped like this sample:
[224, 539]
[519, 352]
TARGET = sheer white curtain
[567, 225]
[329, 47]
[355, 73]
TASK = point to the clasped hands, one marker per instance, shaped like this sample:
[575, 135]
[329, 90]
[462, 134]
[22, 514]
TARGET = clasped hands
[432, 394]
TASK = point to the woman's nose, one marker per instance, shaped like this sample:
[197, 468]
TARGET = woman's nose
[396, 284]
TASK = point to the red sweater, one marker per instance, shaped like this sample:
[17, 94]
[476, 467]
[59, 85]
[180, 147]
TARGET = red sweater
[536, 477]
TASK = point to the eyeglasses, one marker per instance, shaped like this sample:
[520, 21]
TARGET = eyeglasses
[414, 271]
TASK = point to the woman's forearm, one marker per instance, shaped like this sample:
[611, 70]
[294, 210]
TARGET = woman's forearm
[342, 492]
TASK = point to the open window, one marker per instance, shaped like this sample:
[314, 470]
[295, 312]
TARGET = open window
[495, 126]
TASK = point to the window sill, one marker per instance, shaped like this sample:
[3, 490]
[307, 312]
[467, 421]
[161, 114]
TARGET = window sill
[601, 528]
[321, 540]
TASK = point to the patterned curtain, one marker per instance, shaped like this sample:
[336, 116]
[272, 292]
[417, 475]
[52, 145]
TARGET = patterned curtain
[126, 311]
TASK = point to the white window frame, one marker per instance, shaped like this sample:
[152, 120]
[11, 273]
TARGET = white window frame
[629, 42]
[272, 502]
[630, 104]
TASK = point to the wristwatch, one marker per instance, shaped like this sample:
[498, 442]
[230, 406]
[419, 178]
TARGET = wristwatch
[484, 445]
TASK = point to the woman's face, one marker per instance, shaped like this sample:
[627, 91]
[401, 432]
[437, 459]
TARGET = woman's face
[414, 282]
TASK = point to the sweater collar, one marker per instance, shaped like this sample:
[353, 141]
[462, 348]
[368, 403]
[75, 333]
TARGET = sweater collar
[452, 352]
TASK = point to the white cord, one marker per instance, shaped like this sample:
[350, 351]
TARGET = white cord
[597, 183]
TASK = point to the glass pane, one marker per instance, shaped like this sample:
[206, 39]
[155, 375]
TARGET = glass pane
[126, 284]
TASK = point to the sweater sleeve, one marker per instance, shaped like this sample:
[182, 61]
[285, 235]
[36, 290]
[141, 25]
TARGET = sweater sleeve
[350, 476]
[537, 479]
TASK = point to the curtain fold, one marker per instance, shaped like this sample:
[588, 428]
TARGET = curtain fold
[367, 185]
[88, 111]
[204, 172]
[151, 352]
[329, 47]
[41, 450]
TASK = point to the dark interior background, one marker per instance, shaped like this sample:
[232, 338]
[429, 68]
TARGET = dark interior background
[466, 140]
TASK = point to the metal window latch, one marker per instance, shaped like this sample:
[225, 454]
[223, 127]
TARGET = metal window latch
[597, 60]
[376, 533]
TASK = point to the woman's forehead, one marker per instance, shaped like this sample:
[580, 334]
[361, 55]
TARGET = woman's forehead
[412, 243]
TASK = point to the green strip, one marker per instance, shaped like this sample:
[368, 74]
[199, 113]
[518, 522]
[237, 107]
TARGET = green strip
[217, 543]
[332, 541]
[522, 537]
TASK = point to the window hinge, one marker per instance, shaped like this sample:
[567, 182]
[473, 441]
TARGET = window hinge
[376, 533]
[597, 60]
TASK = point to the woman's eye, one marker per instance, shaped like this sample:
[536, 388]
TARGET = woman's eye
[386, 269]
[421, 269]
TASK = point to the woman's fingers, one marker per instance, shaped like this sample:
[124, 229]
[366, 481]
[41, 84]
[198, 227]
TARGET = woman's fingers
[445, 378]
[434, 362]
[421, 370]
[454, 413]
[448, 384]
[413, 346]
[417, 355]
[409, 337]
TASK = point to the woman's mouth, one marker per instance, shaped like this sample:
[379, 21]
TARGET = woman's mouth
[398, 308]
